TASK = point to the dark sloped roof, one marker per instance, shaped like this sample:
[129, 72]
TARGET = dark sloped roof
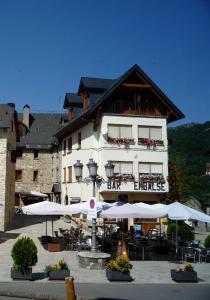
[95, 83]
[42, 128]
[6, 115]
[74, 99]
[113, 85]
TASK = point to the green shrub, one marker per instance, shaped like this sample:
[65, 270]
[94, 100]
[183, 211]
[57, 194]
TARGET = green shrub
[60, 265]
[186, 233]
[171, 229]
[207, 242]
[24, 254]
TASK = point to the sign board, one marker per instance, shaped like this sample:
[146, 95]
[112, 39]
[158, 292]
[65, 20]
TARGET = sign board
[92, 208]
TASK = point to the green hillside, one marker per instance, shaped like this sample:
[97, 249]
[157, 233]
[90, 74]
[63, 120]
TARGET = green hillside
[189, 151]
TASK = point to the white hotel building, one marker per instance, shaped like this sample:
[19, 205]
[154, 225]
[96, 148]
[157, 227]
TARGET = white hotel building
[123, 121]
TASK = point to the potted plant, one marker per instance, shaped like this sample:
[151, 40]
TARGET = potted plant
[58, 271]
[24, 255]
[119, 269]
[185, 274]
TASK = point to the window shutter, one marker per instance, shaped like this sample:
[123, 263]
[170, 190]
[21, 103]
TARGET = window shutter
[156, 168]
[125, 132]
[113, 131]
[156, 133]
[143, 132]
[126, 168]
[144, 168]
[116, 167]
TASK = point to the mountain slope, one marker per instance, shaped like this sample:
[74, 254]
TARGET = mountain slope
[189, 148]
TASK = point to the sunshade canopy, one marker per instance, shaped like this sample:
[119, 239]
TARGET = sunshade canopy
[178, 211]
[45, 208]
[127, 210]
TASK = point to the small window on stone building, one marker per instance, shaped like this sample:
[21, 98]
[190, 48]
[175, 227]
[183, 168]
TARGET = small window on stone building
[35, 178]
[18, 175]
[19, 153]
[36, 154]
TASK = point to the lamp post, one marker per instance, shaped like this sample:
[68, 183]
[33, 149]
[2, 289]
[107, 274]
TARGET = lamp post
[96, 179]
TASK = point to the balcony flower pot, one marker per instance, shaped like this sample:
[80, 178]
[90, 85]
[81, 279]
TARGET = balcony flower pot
[21, 275]
[117, 276]
[59, 275]
[184, 276]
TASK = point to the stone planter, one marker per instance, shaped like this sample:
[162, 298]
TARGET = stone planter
[59, 275]
[117, 276]
[54, 247]
[17, 275]
[187, 276]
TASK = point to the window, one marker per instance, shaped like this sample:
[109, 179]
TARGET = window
[123, 168]
[19, 153]
[79, 140]
[18, 175]
[69, 174]
[64, 174]
[70, 145]
[152, 132]
[119, 131]
[154, 169]
[64, 147]
[36, 154]
[35, 177]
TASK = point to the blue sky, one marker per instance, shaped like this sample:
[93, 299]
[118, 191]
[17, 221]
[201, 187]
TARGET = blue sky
[47, 45]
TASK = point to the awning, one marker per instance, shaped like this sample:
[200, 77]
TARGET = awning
[56, 188]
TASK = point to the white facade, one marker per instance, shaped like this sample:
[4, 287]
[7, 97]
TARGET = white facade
[95, 144]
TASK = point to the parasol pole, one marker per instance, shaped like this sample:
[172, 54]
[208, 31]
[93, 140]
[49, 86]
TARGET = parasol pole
[176, 237]
[46, 226]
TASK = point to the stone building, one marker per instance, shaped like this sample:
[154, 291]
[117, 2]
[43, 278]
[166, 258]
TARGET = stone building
[8, 138]
[37, 161]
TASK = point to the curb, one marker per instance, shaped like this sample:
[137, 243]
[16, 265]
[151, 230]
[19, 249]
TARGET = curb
[38, 296]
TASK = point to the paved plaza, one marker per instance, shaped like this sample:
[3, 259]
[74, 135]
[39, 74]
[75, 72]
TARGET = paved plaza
[142, 272]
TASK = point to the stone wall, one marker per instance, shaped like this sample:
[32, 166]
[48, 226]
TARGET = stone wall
[7, 177]
[47, 165]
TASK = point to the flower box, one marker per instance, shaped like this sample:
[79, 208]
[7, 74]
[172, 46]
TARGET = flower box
[187, 276]
[18, 275]
[121, 141]
[117, 276]
[59, 275]
[150, 142]
[54, 247]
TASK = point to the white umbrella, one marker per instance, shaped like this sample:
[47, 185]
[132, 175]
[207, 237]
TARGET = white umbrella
[127, 210]
[45, 208]
[158, 207]
[177, 211]
[82, 207]
[34, 194]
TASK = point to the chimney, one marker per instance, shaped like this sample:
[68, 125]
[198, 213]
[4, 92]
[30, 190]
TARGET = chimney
[26, 112]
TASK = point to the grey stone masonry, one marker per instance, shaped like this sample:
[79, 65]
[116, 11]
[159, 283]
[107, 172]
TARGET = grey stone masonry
[7, 176]
[45, 164]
